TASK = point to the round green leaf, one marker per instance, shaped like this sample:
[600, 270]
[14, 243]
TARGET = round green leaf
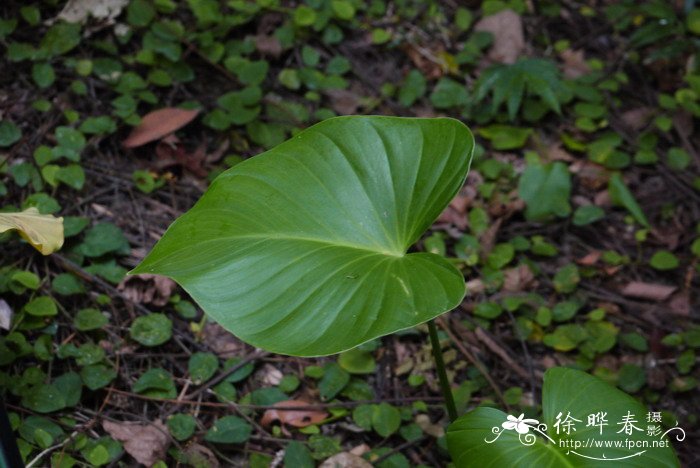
[89, 319]
[202, 367]
[42, 306]
[181, 426]
[307, 241]
[664, 260]
[566, 391]
[386, 419]
[152, 329]
[229, 430]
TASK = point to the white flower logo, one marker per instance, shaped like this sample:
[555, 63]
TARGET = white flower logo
[519, 424]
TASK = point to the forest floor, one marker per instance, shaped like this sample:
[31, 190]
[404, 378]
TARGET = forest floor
[578, 229]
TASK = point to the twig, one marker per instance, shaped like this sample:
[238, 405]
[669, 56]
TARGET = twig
[479, 366]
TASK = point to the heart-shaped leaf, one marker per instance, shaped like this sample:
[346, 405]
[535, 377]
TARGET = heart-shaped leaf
[302, 250]
[584, 426]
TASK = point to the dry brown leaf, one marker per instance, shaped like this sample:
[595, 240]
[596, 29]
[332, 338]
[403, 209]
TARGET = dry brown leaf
[432, 429]
[360, 449]
[518, 278]
[147, 443]
[650, 291]
[638, 118]
[680, 303]
[296, 418]
[574, 63]
[5, 315]
[157, 124]
[270, 375]
[147, 289]
[345, 460]
[427, 59]
[475, 286]
[590, 258]
[343, 101]
[508, 38]
[199, 455]
[268, 45]
[221, 342]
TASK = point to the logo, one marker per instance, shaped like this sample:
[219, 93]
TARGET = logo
[593, 434]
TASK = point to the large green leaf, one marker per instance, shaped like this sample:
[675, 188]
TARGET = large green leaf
[302, 250]
[479, 438]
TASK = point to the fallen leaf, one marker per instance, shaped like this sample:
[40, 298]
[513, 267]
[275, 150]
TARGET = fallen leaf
[147, 443]
[475, 286]
[268, 45]
[270, 375]
[637, 118]
[650, 291]
[432, 429]
[360, 449]
[574, 63]
[198, 455]
[221, 342]
[429, 60]
[296, 418]
[508, 38]
[590, 258]
[518, 278]
[680, 303]
[43, 232]
[5, 315]
[78, 11]
[345, 460]
[343, 101]
[157, 124]
[147, 289]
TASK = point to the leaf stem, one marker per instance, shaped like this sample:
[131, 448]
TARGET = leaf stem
[442, 374]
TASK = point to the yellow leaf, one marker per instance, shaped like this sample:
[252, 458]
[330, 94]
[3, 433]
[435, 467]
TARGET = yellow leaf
[44, 232]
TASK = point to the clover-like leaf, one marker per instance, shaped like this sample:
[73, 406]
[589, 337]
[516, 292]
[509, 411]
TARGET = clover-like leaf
[595, 435]
[302, 250]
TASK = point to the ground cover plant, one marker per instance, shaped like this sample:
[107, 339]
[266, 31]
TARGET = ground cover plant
[576, 230]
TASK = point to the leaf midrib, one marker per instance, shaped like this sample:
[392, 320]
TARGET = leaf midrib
[325, 242]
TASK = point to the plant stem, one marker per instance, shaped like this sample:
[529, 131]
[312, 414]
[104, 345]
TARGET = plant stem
[442, 374]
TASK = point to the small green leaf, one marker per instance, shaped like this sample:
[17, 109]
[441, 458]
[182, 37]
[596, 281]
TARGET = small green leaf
[333, 381]
[229, 430]
[156, 383]
[356, 361]
[151, 329]
[44, 398]
[67, 284]
[202, 366]
[181, 426]
[43, 75]
[588, 214]
[621, 195]
[546, 189]
[567, 278]
[9, 133]
[304, 16]
[296, 455]
[89, 319]
[97, 376]
[664, 260]
[386, 419]
[505, 137]
[104, 238]
[43, 306]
